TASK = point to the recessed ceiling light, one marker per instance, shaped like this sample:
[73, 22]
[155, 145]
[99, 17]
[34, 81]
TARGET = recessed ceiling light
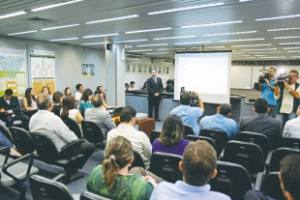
[192, 43]
[140, 50]
[293, 51]
[295, 56]
[252, 45]
[265, 49]
[127, 47]
[113, 19]
[232, 33]
[245, 0]
[289, 43]
[278, 18]
[55, 5]
[149, 30]
[131, 41]
[59, 27]
[291, 48]
[215, 47]
[100, 36]
[273, 57]
[175, 37]
[163, 49]
[153, 45]
[157, 53]
[283, 29]
[264, 52]
[64, 39]
[185, 8]
[13, 14]
[242, 40]
[93, 43]
[286, 37]
[212, 24]
[21, 33]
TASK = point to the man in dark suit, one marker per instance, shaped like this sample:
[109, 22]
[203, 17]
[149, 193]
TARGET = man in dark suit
[8, 102]
[155, 88]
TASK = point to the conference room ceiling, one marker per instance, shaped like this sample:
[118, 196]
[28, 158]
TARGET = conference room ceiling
[252, 29]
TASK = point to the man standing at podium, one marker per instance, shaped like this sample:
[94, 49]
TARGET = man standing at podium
[155, 88]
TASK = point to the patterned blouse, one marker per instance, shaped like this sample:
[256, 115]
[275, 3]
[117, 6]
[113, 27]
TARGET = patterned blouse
[131, 187]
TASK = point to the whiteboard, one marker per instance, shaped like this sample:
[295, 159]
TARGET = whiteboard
[241, 77]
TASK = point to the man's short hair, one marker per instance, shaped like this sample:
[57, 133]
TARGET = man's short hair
[127, 113]
[185, 98]
[132, 82]
[44, 102]
[294, 71]
[273, 68]
[9, 92]
[290, 174]
[78, 86]
[199, 160]
[261, 106]
[97, 101]
[225, 109]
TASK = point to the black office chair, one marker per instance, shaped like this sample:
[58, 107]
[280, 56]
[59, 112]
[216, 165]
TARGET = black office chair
[154, 135]
[278, 155]
[256, 138]
[271, 186]
[90, 196]
[219, 137]
[138, 161]
[70, 157]
[6, 132]
[232, 179]
[73, 126]
[47, 189]
[93, 133]
[293, 143]
[165, 165]
[22, 140]
[207, 139]
[247, 154]
[188, 130]
[21, 120]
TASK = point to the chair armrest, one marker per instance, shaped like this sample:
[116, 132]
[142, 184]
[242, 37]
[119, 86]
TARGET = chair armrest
[94, 196]
[7, 165]
[258, 181]
[268, 161]
[72, 149]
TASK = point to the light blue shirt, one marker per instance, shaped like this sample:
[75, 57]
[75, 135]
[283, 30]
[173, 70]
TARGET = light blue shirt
[181, 190]
[189, 116]
[219, 122]
[268, 94]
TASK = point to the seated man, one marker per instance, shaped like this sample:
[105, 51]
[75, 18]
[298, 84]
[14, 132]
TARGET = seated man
[292, 127]
[199, 167]
[220, 121]
[289, 177]
[99, 115]
[262, 122]
[8, 102]
[188, 114]
[46, 123]
[139, 140]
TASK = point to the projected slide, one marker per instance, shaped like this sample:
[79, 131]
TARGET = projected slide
[205, 73]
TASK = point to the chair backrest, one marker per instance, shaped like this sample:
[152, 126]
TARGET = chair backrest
[256, 138]
[138, 161]
[45, 147]
[21, 121]
[165, 165]
[207, 139]
[47, 189]
[188, 130]
[91, 196]
[73, 126]
[92, 132]
[6, 132]
[154, 135]
[232, 179]
[219, 137]
[278, 155]
[22, 140]
[271, 186]
[247, 154]
[293, 143]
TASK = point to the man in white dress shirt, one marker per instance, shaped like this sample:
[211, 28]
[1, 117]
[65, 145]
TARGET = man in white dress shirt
[292, 127]
[78, 93]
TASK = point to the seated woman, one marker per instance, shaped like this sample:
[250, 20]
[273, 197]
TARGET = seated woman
[57, 98]
[112, 178]
[69, 110]
[171, 138]
[29, 102]
[46, 90]
[86, 100]
[67, 92]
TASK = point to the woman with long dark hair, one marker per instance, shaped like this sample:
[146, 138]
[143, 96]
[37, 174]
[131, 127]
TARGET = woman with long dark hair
[29, 101]
[86, 100]
[69, 110]
[67, 92]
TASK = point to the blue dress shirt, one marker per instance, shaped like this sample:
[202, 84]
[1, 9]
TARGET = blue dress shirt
[268, 94]
[181, 190]
[219, 122]
[189, 116]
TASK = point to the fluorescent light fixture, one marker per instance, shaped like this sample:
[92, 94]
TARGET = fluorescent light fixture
[286, 37]
[59, 27]
[93, 43]
[295, 56]
[131, 41]
[233, 33]
[260, 55]
[293, 51]
[215, 47]
[148, 30]
[244, 0]
[264, 52]
[64, 39]
[248, 57]
[252, 45]
[283, 29]
[21, 33]
[157, 53]
[212, 24]
[13, 14]
[140, 50]
[289, 43]
[291, 48]
[113, 19]
[278, 18]
[163, 49]
[175, 37]
[273, 57]
[153, 45]
[242, 40]
[127, 46]
[100, 36]
[265, 49]
[192, 43]
[237, 53]
[54, 5]
[185, 8]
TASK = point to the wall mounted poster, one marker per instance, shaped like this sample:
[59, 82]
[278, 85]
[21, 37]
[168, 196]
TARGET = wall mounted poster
[88, 69]
[12, 70]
